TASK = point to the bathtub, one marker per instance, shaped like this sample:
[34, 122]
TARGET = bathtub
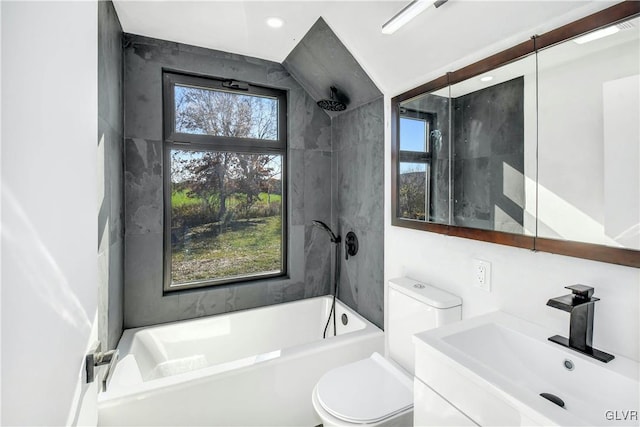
[255, 367]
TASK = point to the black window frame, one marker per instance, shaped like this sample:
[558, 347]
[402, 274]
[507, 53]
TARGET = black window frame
[173, 140]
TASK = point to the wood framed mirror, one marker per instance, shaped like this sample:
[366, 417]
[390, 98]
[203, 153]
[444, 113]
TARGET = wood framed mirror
[537, 146]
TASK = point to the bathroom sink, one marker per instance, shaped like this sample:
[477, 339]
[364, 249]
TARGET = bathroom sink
[495, 367]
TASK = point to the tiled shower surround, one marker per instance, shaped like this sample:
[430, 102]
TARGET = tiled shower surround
[110, 209]
[311, 176]
[358, 198]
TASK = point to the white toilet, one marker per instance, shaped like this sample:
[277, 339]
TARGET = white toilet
[378, 391]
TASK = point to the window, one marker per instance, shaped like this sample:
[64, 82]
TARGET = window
[414, 185]
[225, 181]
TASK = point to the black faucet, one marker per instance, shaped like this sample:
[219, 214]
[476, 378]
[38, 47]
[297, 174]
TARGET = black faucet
[580, 305]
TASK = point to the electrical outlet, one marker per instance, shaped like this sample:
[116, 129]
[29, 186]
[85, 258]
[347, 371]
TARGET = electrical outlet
[482, 274]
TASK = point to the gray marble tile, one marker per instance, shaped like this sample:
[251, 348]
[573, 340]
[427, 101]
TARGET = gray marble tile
[115, 307]
[362, 285]
[247, 295]
[200, 303]
[143, 302]
[103, 296]
[295, 291]
[109, 65]
[275, 292]
[317, 186]
[361, 126]
[296, 252]
[309, 127]
[142, 97]
[114, 183]
[276, 74]
[360, 191]
[370, 276]
[358, 141]
[320, 60]
[318, 255]
[143, 186]
[109, 169]
[296, 186]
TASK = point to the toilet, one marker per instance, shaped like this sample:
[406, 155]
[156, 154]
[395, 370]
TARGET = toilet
[378, 391]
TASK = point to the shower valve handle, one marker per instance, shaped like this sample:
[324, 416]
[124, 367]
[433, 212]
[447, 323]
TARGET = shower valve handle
[350, 245]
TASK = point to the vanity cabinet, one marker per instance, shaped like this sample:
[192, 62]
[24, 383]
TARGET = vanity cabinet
[430, 409]
[454, 397]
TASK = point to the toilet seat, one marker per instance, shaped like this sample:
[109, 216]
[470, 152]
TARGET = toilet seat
[367, 391]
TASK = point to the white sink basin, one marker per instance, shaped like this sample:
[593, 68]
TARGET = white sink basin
[494, 367]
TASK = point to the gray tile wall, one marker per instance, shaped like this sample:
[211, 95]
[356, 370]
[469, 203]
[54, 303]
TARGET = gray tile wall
[478, 182]
[110, 181]
[309, 177]
[358, 162]
[320, 60]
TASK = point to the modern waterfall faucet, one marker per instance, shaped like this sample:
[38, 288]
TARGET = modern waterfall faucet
[580, 305]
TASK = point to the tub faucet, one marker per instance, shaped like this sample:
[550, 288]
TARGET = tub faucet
[580, 304]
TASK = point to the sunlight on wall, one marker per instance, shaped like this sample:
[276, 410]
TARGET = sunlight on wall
[46, 278]
[565, 221]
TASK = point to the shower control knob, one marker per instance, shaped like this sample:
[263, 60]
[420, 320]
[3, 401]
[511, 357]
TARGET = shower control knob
[350, 244]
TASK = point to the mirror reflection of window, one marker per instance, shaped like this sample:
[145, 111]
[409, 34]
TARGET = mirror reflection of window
[415, 164]
[423, 184]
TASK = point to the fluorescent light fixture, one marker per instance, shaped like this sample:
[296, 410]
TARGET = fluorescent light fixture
[598, 34]
[409, 12]
[275, 22]
[486, 78]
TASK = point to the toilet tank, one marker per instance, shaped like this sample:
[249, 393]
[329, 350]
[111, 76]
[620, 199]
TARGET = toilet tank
[414, 307]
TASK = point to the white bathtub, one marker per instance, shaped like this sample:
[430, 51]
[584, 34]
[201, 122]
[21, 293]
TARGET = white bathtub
[251, 368]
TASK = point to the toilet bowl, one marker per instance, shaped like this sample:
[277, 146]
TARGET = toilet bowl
[369, 392]
[378, 391]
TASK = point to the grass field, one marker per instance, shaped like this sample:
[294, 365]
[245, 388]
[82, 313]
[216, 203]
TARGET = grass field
[181, 198]
[243, 247]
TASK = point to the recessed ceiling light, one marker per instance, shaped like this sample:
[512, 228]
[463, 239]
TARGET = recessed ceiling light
[275, 22]
[486, 78]
[604, 32]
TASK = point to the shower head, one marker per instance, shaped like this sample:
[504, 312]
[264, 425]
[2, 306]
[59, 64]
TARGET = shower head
[325, 227]
[333, 103]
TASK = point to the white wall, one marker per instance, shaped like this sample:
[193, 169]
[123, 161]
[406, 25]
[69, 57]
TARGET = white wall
[49, 219]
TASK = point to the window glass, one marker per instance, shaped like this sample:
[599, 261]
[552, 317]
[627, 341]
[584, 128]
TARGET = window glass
[413, 134]
[226, 215]
[413, 190]
[202, 111]
[225, 192]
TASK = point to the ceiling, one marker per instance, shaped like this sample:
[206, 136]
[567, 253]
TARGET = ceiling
[438, 40]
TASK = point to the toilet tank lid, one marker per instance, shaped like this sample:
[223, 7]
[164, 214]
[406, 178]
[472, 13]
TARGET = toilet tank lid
[428, 294]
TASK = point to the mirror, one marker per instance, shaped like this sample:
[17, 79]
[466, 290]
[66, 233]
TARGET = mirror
[488, 123]
[537, 146]
[589, 145]
[494, 146]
